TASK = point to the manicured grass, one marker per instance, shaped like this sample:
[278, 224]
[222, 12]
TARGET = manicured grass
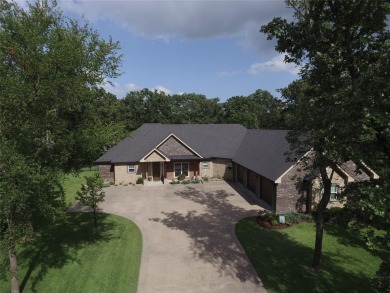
[282, 258]
[76, 258]
[72, 183]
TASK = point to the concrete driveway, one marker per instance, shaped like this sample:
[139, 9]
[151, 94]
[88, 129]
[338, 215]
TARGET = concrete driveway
[189, 243]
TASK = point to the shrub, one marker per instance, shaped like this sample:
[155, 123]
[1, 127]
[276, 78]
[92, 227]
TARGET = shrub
[185, 182]
[381, 281]
[112, 183]
[205, 179]
[140, 180]
[175, 182]
[268, 215]
[337, 215]
[181, 177]
[195, 181]
[293, 217]
[274, 222]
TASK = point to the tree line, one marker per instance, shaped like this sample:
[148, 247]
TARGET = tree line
[257, 110]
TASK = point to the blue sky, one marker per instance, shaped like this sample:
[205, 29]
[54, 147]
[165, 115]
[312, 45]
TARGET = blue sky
[212, 48]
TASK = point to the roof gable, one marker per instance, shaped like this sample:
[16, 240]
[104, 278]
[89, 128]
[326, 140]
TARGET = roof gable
[172, 146]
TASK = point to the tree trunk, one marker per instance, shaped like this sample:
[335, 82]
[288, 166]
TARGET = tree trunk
[94, 218]
[14, 270]
[320, 220]
[13, 264]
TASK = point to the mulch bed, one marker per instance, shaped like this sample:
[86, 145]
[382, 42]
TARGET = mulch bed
[266, 224]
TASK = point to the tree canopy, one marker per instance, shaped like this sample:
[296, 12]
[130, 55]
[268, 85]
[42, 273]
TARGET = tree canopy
[341, 104]
[50, 68]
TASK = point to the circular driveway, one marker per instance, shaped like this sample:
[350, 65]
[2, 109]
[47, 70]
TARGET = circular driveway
[189, 242]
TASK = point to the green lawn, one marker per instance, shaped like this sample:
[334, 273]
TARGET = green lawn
[72, 182]
[282, 258]
[76, 259]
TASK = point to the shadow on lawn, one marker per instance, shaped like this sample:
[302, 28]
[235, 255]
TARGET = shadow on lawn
[283, 264]
[212, 232]
[57, 248]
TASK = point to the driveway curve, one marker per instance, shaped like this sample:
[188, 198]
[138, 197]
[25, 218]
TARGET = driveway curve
[188, 232]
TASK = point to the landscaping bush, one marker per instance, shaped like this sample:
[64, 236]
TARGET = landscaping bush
[140, 180]
[205, 179]
[196, 181]
[293, 217]
[181, 177]
[339, 216]
[268, 215]
[175, 182]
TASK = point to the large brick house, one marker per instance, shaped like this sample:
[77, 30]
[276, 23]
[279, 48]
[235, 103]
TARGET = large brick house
[254, 158]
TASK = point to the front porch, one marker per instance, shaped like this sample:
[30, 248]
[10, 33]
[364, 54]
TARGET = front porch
[156, 170]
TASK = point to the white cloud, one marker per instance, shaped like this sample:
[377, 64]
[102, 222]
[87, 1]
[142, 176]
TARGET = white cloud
[276, 64]
[120, 90]
[192, 19]
[160, 88]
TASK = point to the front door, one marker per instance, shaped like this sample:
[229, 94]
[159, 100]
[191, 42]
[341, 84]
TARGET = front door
[156, 171]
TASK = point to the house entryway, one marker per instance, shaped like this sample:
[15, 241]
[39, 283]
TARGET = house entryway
[156, 170]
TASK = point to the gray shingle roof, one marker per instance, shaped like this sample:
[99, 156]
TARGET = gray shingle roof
[262, 151]
[208, 140]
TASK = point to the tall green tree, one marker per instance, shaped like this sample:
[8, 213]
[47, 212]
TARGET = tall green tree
[341, 106]
[50, 67]
[258, 110]
[195, 108]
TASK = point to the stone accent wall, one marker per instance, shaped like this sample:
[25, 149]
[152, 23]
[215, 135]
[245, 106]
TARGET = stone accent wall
[122, 176]
[220, 169]
[317, 182]
[173, 147]
[206, 172]
[107, 172]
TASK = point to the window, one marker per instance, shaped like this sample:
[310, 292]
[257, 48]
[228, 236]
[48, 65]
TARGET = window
[334, 190]
[229, 166]
[181, 168]
[205, 165]
[130, 169]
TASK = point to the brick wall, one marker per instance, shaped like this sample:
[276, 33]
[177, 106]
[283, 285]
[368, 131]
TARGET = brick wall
[289, 193]
[107, 172]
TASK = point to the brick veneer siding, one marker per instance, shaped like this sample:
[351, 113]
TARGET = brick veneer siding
[289, 193]
[107, 172]
[193, 166]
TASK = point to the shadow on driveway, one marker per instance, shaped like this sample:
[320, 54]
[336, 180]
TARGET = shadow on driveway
[212, 232]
